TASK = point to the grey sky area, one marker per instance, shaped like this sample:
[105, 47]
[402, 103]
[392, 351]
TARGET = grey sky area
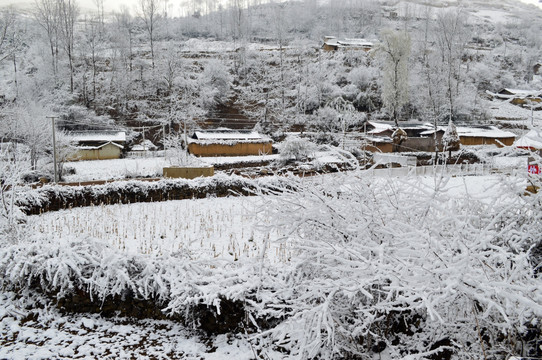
[174, 6]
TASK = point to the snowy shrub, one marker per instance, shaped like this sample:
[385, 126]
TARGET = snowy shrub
[483, 76]
[362, 77]
[51, 198]
[407, 268]
[296, 148]
[326, 120]
[505, 80]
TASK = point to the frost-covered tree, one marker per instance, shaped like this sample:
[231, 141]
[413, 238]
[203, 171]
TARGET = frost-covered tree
[395, 49]
[101, 14]
[8, 19]
[177, 151]
[427, 74]
[149, 12]
[11, 169]
[92, 43]
[216, 82]
[451, 35]
[68, 15]
[297, 149]
[47, 15]
[450, 139]
[124, 37]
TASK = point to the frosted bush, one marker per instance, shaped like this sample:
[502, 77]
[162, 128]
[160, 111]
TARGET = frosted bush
[406, 268]
[401, 266]
[296, 148]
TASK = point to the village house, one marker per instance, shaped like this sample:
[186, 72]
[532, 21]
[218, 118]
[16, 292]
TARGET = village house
[228, 142]
[97, 145]
[331, 43]
[485, 135]
[421, 137]
[519, 96]
[380, 138]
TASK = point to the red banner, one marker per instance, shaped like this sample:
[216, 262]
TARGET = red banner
[533, 169]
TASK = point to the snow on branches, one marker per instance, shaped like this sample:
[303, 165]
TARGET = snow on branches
[407, 268]
[396, 264]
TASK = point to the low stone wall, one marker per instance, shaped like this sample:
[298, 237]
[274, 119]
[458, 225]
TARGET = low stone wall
[231, 318]
[52, 198]
[418, 144]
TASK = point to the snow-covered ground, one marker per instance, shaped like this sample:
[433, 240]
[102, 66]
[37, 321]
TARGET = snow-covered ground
[221, 229]
[199, 45]
[141, 167]
[214, 228]
[503, 110]
[54, 335]
[217, 160]
[115, 169]
[152, 166]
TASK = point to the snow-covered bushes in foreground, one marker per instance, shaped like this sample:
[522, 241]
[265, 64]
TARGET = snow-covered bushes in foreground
[401, 266]
[406, 268]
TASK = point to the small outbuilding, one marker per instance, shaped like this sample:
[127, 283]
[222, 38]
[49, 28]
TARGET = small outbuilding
[97, 145]
[519, 96]
[485, 135]
[331, 43]
[142, 149]
[228, 142]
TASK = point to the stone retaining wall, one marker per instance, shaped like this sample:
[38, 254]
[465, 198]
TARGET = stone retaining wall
[52, 198]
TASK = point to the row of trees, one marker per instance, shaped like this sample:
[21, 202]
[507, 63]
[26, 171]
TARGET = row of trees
[89, 47]
[440, 60]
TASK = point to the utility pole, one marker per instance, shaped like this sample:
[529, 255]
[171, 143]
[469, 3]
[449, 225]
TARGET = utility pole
[144, 146]
[532, 113]
[54, 146]
[164, 140]
[185, 138]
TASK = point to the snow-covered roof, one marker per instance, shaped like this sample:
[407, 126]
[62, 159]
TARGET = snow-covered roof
[333, 41]
[484, 132]
[85, 147]
[490, 132]
[531, 140]
[98, 136]
[227, 134]
[465, 131]
[355, 42]
[518, 92]
[379, 127]
[379, 139]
